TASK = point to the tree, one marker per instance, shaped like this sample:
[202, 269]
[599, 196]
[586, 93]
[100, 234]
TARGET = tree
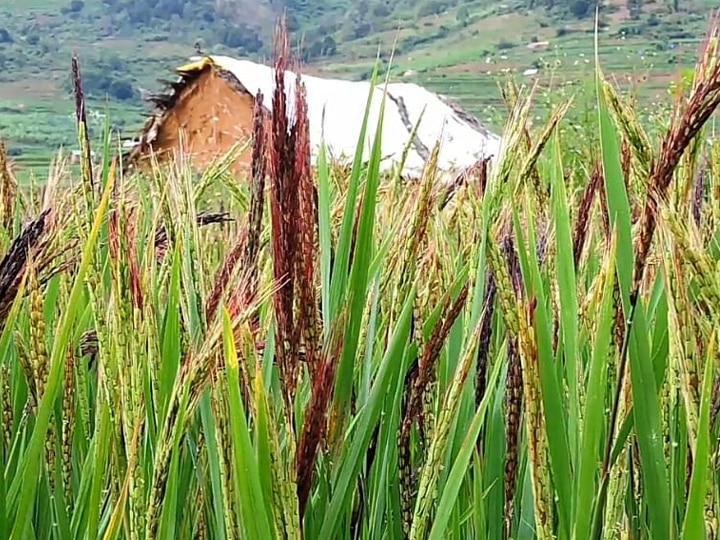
[241, 37]
[76, 6]
[463, 16]
[329, 46]
[431, 7]
[99, 81]
[580, 8]
[355, 28]
[635, 8]
[381, 10]
[121, 90]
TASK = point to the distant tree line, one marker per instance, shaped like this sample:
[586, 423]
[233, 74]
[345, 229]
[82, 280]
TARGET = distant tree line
[208, 20]
[586, 8]
[106, 77]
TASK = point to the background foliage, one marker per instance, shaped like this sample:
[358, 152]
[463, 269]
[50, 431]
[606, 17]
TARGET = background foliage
[462, 48]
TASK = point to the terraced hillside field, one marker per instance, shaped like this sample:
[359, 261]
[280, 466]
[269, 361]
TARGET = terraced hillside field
[459, 48]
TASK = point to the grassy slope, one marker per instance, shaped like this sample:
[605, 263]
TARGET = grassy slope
[463, 61]
[468, 63]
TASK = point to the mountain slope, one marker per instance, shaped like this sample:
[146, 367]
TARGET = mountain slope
[458, 47]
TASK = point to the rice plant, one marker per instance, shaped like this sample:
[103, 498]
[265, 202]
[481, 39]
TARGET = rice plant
[531, 352]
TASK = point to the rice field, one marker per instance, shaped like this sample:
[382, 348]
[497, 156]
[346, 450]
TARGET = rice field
[530, 352]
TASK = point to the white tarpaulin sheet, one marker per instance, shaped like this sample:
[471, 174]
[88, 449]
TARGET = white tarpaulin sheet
[336, 109]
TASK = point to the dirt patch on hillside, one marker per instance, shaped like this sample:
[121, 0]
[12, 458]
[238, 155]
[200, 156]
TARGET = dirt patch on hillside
[29, 89]
[119, 44]
[512, 27]
[621, 13]
[510, 20]
[479, 68]
[165, 49]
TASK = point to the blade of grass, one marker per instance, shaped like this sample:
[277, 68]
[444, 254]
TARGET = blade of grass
[455, 479]
[555, 423]
[386, 380]
[24, 485]
[694, 521]
[567, 286]
[363, 254]
[324, 232]
[342, 255]
[246, 477]
[213, 465]
[594, 415]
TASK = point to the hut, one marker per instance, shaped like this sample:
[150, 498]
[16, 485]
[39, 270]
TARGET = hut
[210, 108]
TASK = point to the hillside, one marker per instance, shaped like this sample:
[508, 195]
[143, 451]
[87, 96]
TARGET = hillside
[458, 47]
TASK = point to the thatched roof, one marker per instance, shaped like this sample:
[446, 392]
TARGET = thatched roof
[336, 108]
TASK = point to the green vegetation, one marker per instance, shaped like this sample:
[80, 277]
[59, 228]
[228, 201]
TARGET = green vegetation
[461, 48]
[533, 353]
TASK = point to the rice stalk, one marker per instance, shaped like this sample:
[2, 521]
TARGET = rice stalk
[7, 410]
